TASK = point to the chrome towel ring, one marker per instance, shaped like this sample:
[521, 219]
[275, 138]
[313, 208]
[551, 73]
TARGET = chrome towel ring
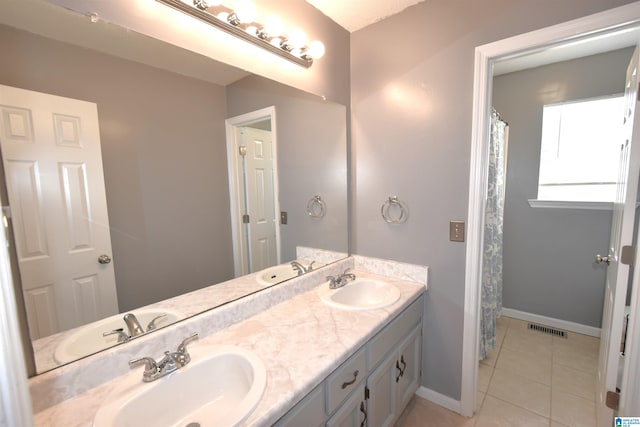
[316, 208]
[394, 211]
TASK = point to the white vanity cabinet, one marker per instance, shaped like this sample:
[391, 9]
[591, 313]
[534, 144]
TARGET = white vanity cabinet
[309, 411]
[353, 413]
[410, 367]
[372, 388]
[393, 383]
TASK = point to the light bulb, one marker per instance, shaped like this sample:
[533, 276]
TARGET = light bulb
[273, 26]
[316, 49]
[223, 16]
[252, 29]
[246, 11]
[276, 41]
[297, 38]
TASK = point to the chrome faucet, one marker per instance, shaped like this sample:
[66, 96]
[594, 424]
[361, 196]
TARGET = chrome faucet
[301, 269]
[171, 361]
[133, 325]
[340, 281]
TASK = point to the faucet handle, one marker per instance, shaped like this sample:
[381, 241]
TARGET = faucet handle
[310, 266]
[182, 348]
[122, 335]
[150, 365]
[152, 325]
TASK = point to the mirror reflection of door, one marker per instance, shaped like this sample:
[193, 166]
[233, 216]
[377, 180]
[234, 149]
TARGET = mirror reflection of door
[253, 186]
[53, 173]
[259, 198]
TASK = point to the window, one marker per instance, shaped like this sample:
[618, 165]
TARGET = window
[579, 154]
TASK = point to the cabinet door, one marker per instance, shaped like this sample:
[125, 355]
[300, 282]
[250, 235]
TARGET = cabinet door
[381, 405]
[409, 364]
[307, 413]
[352, 413]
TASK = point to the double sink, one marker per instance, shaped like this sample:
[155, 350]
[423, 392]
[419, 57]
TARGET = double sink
[222, 385]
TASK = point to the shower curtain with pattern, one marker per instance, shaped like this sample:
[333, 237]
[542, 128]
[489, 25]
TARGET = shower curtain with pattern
[491, 306]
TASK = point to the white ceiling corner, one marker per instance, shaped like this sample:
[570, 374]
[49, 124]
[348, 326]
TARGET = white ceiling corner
[356, 14]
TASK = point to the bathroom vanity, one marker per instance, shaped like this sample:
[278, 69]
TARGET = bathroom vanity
[374, 385]
[324, 365]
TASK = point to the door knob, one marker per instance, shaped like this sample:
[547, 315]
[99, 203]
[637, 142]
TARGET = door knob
[104, 259]
[606, 259]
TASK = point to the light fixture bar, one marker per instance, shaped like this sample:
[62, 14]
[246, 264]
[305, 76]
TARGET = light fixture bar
[235, 31]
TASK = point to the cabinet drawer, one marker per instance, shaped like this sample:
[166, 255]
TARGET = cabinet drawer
[309, 412]
[353, 413]
[390, 336]
[345, 379]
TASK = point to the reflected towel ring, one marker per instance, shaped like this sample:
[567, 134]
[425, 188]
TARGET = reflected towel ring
[394, 211]
[316, 208]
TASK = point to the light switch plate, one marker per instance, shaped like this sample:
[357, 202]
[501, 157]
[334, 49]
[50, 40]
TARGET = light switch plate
[456, 231]
[283, 217]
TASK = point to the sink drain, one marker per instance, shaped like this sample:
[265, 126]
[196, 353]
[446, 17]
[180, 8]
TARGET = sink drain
[193, 425]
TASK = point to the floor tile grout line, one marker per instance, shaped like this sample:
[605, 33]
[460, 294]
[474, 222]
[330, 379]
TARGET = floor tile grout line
[523, 408]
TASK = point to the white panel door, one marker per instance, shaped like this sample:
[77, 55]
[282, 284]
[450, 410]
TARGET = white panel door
[53, 171]
[622, 227]
[260, 199]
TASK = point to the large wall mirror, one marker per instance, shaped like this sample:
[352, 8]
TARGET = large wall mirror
[162, 131]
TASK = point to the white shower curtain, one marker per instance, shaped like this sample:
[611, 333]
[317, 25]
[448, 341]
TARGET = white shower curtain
[493, 226]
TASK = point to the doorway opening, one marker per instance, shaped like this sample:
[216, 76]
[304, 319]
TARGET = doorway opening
[620, 24]
[253, 190]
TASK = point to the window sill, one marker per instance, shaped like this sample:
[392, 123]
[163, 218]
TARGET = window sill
[561, 204]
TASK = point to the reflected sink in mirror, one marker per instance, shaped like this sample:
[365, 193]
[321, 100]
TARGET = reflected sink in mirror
[360, 294]
[221, 386]
[89, 339]
[279, 273]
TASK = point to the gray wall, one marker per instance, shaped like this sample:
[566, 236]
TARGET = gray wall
[312, 159]
[548, 253]
[411, 94]
[164, 156]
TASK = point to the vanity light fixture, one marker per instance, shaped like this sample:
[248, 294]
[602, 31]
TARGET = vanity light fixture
[240, 22]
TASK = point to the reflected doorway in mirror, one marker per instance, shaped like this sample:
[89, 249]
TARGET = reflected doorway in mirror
[253, 186]
[53, 172]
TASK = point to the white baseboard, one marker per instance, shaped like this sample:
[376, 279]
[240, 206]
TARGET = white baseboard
[550, 321]
[439, 399]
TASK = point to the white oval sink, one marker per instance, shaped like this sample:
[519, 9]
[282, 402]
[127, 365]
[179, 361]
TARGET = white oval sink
[361, 294]
[276, 274]
[279, 273]
[220, 387]
[88, 339]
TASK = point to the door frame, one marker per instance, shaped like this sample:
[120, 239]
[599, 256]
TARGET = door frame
[597, 25]
[14, 388]
[240, 261]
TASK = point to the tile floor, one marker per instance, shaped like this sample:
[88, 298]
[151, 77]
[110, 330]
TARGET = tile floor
[530, 379]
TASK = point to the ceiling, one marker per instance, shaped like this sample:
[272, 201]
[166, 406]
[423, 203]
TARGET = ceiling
[356, 14]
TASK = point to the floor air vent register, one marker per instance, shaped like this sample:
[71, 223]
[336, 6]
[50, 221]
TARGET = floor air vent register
[547, 330]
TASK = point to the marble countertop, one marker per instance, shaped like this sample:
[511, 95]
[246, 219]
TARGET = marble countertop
[191, 303]
[301, 341]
